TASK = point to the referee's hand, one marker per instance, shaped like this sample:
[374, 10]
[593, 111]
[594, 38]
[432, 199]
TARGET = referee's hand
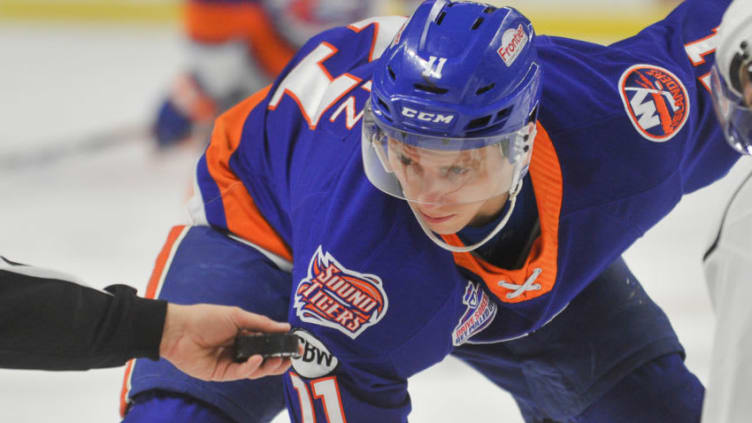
[198, 340]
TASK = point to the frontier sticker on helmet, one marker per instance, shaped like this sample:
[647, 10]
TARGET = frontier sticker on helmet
[316, 360]
[478, 315]
[333, 296]
[512, 43]
[656, 101]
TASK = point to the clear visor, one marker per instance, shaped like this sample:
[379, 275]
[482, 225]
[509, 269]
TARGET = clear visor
[436, 170]
[734, 111]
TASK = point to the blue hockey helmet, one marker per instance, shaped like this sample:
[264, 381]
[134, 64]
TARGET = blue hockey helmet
[453, 100]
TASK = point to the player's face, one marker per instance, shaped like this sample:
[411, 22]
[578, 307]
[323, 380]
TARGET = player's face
[438, 182]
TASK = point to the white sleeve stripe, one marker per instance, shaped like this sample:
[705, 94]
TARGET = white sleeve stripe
[195, 206]
[280, 262]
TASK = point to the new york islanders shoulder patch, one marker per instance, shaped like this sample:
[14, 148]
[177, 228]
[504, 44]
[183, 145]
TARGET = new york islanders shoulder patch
[655, 100]
[334, 296]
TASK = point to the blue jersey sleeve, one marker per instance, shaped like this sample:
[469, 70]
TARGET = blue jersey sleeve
[684, 43]
[630, 116]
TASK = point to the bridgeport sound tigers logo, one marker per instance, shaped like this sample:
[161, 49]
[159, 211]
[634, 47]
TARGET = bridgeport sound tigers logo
[655, 100]
[334, 296]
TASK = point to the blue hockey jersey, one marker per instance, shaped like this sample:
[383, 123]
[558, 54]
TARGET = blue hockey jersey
[624, 131]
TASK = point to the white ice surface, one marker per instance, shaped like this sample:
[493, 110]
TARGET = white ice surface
[104, 216]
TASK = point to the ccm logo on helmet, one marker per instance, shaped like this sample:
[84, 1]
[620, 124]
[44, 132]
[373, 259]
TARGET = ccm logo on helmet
[512, 43]
[426, 117]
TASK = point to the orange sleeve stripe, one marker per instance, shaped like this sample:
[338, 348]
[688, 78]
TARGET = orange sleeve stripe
[241, 214]
[217, 22]
[161, 265]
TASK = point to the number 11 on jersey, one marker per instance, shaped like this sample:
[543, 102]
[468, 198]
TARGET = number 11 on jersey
[324, 389]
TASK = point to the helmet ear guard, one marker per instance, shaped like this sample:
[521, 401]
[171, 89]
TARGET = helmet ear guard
[525, 151]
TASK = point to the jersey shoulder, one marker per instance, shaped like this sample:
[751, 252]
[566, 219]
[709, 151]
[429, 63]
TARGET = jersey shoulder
[286, 141]
[329, 66]
[318, 100]
[636, 112]
[586, 82]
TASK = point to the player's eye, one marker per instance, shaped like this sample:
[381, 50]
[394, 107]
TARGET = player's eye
[456, 170]
[406, 161]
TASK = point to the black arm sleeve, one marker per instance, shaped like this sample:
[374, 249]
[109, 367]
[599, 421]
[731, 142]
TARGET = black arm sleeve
[48, 322]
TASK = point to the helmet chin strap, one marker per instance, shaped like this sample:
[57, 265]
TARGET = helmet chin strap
[438, 241]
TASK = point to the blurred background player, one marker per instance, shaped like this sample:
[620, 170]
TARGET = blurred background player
[728, 263]
[235, 47]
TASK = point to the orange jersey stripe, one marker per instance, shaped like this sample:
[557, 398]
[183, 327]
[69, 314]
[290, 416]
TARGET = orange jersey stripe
[242, 216]
[217, 22]
[161, 267]
[163, 260]
[545, 173]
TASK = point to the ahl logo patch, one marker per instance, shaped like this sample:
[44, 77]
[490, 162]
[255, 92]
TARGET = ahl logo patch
[655, 100]
[336, 297]
[479, 314]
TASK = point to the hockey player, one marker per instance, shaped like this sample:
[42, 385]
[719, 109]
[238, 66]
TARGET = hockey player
[238, 46]
[729, 260]
[450, 184]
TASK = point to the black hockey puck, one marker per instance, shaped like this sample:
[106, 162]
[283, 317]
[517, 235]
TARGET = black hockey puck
[266, 345]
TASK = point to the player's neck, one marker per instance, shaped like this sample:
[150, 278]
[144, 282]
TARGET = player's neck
[490, 210]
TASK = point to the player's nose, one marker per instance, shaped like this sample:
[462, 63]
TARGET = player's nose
[432, 191]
